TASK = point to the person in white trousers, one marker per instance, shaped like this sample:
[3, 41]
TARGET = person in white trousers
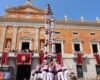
[50, 74]
[40, 73]
[36, 72]
[59, 72]
[66, 74]
[44, 70]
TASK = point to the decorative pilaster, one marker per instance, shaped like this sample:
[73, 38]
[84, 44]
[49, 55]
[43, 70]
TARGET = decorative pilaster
[3, 38]
[37, 39]
[14, 38]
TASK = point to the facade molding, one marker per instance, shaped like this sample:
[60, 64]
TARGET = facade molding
[25, 24]
[72, 26]
[41, 23]
[72, 56]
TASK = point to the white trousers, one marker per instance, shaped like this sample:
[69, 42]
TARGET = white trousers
[66, 77]
[44, 75]
[35, 76]
[60, 76]
[50, 76]
[40, 75]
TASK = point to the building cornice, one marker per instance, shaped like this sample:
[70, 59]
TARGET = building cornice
[59, 22]
[8, 19]
[76, 22]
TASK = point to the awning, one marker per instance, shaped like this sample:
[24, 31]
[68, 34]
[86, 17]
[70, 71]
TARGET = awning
[97, 56]
[23, 58]
[4, 58]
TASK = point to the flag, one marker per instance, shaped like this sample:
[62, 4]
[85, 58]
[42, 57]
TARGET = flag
[59, 58]
[79, 58]
[97, 58]
[4, 58]
[41, 57]
[23, 58]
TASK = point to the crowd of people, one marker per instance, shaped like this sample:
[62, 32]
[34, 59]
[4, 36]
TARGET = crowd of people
[50, 71]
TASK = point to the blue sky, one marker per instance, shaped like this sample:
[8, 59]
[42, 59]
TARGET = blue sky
[72, 8]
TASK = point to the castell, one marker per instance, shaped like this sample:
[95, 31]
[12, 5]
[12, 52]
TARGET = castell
[51, 67]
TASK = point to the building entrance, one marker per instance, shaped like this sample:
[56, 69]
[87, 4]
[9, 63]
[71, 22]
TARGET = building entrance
[23, 72]
[25, 45]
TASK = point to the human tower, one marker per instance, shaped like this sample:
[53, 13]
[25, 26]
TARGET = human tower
[50, 69]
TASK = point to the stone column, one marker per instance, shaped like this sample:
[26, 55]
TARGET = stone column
[3, 38]
[14, 38]
[37, 39]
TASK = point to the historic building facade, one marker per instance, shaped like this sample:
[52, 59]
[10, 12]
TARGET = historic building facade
[23, 28]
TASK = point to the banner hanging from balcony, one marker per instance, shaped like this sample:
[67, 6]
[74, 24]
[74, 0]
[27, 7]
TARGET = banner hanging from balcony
[59, 58]
[97, 56]
[79, 58]
[41, 55]
[4, 58]
[23, 58]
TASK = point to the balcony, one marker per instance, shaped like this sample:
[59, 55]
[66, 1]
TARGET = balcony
[13, 54]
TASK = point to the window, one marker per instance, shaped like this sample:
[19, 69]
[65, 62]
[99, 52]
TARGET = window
[58, 48]
[25, 45]
[76, 46]
[94, 48]
[92, 33]
[75, 33]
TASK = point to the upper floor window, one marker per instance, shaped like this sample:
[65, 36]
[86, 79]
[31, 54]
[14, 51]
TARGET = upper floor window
[92, 33]
[94, 47]
[75, 33]
[76, 46]
[58, 48]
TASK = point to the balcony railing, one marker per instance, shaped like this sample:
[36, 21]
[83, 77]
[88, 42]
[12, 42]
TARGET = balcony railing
[13, 53]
